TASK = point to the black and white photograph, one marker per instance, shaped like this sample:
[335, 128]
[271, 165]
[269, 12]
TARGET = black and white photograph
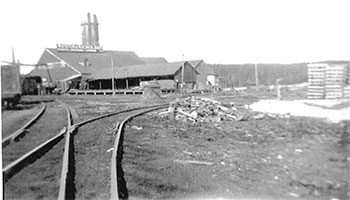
[175, 100]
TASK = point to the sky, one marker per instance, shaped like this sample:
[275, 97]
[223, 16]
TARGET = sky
[220, 31]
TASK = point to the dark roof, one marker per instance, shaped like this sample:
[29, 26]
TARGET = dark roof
[195, 63]
[144, 70]
[207, 69]
[47, 58]
[56, 74]
[154, 60]
[74, 62]
[97, 60]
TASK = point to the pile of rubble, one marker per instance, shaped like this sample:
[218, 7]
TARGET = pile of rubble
[197, 109]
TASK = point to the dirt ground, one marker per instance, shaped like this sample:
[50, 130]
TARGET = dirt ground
[13, 119]
[298, 158]
[270, 158]
[40, 179]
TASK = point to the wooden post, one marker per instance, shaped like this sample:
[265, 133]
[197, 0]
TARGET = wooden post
[127, 83]
[256, 77]
[278, 88]
[182, 78]
[112, 66]
[100, 85]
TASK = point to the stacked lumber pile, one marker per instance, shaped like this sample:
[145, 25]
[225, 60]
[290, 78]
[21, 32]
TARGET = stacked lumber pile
[316, 79]
[346, 89]
[328, 81]
[346, 92]
[335, 81]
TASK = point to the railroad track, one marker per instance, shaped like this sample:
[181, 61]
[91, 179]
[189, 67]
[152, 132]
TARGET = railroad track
[81, 141]
[19, 132]
[25, 158]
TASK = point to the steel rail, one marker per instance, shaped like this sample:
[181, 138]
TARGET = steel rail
[21, 162]
[21, 130]
[114, 174]
[114, 113]
[16, 165]
[66, 156]
[24, 160]
[66, 171]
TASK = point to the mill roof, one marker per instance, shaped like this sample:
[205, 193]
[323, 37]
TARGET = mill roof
[154, 60]
[96, 61]
[141, 70]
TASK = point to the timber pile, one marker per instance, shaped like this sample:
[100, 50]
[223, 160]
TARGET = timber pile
[346, 92]
[316, 77]
[195, 109]
[335, 81]
[328, 81]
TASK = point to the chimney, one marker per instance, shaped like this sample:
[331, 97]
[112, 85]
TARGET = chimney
[95, 31]
[89, 30]
[90, 34]
[84, 33]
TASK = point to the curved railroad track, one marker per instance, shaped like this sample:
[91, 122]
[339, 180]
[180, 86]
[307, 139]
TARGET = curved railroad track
[26, 160]
[97, 178]
[18, 133]
[45, 159]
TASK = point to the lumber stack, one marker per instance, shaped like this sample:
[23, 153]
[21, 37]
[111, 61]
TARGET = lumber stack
[316, 79]
[328, 81]
[346, 92]
[335, 81]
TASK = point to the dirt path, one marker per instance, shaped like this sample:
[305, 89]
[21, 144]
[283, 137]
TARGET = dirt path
[297, 158]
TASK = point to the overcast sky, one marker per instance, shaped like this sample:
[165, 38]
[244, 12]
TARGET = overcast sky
[227, 32]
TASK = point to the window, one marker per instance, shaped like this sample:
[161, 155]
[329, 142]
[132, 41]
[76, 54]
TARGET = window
[85, 63]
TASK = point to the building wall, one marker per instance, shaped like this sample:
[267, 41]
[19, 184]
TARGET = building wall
[190, 75]
[211, 79]
[201, 83]
[205, 79]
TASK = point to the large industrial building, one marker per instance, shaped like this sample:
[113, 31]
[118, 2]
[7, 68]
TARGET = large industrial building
[89, 67]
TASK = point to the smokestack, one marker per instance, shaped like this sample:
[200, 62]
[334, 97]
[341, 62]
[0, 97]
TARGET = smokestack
[96, 35]
[90, 34]
[89, 30]
[84, 33]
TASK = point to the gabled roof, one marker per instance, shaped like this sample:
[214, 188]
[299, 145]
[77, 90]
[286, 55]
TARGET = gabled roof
[74, 62]
[144, 70]
[55, 74]
[195, 63]
[47, 58]
[154, 60]
[96, 60]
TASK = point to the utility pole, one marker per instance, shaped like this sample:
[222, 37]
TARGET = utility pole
[112, 66]
[182, 74]
[13, 56]
[256, 77]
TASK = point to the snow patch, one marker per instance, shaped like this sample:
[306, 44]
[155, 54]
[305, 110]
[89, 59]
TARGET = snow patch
[304, 108]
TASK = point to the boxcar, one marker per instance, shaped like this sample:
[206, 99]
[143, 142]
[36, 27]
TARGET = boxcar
[10, 85]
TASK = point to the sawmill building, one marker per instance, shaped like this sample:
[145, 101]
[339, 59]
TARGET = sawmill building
[89, 67]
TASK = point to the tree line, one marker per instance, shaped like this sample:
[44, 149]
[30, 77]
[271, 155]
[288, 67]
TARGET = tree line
[242, 75]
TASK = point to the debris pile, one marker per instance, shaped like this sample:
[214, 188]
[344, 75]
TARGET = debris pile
[197, 109]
